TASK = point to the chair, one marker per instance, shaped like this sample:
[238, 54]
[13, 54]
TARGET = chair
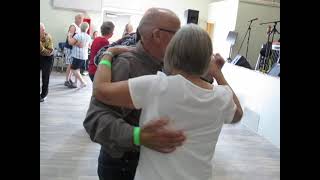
[59, 57]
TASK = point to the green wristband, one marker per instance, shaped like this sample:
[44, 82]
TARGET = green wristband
[106, 62]
[136, 136]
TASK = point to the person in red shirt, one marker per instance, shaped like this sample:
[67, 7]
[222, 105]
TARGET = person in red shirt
[99, 42]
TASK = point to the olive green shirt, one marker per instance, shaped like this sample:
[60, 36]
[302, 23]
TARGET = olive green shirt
[46, 45]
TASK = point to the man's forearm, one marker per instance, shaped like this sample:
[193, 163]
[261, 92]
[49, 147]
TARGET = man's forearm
[46, 52]
[41, 48]
[79, 44]
[48, 48]
[71, 41]
[111, 131]
[106, 127]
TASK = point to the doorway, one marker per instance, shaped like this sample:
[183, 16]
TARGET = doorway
[121, 17]
[210, 29]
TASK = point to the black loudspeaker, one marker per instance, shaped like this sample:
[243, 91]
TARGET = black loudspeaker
[241, 61]
[191, 16]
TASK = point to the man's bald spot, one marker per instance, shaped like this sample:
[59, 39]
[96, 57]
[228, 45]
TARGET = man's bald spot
[157, 17]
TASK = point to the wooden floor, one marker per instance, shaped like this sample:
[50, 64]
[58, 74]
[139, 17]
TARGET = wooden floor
[66, 152]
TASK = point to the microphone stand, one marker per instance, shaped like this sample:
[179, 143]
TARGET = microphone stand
[269, 48]
[229, 58]
[248, 31]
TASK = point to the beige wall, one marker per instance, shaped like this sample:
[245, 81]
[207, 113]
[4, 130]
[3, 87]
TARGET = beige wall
[247, 11]
[57, 21]
[178, 6]
[223, 14]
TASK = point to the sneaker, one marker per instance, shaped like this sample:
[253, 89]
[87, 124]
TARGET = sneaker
[70, 81]
[73, 85]
[83, 85]
[66, 83]
[84, 73]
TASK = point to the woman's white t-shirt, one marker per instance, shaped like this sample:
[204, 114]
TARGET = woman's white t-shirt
[199, 112]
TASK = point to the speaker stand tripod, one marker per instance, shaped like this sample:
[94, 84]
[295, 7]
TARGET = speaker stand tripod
[248, 40]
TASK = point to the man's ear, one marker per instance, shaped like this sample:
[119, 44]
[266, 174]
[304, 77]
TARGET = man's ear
[156, 35]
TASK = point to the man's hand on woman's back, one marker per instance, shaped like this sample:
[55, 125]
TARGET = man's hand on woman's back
[155, 136]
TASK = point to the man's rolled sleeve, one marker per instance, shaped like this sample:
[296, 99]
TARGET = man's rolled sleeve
[104, 124]
[106, 127]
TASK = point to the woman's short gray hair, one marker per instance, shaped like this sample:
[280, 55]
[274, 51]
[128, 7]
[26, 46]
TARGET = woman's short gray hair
[189, 50]
[84, 27]
[107, 27]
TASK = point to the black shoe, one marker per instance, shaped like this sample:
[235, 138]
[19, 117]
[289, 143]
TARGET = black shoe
[72, 85]
[66, 83]
[70, 81]
[42, 99]
[84, 73]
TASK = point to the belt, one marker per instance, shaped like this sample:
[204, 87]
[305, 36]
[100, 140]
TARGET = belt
[130, 156]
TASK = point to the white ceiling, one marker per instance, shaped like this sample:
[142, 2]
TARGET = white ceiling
[257, 0]
[272, 0]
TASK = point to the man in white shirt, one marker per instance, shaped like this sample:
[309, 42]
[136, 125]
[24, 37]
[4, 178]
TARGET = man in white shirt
[78, 19]
[79, 54]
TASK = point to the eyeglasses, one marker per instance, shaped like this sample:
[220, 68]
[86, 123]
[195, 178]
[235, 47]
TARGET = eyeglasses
[170, 31]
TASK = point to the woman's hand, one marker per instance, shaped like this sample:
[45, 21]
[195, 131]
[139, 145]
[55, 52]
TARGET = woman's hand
[155, 136]
[218, 60]
[116, 50]
[216, 65]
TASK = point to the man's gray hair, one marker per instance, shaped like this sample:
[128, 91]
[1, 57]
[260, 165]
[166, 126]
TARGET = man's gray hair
[84, 27]
[189, 50]
[79, 15]
[106, 28]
